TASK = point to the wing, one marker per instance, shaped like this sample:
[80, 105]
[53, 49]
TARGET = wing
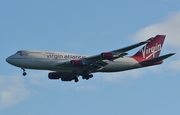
[116, 53]
[97, 62]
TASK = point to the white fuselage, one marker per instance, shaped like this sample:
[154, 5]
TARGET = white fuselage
[47, 60]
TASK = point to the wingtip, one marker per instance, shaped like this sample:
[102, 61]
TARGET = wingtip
[172, 53]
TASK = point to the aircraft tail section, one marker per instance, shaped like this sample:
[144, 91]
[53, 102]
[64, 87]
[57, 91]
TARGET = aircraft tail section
[152, 49]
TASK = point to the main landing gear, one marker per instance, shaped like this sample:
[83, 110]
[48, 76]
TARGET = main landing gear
[76, 79]
[24, 72]
[87, 76]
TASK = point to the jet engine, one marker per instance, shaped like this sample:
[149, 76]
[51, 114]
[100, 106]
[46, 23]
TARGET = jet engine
[54, 75]
[58, 75]
[67, 78]
[110, 55]
[76, 63]
[107, 55]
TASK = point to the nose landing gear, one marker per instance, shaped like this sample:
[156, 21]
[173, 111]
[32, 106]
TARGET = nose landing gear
[24, 72]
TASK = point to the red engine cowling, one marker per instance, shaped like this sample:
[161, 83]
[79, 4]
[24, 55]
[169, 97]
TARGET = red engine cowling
[67, 78]
[107, 55]
[54, 75]
[76, 63]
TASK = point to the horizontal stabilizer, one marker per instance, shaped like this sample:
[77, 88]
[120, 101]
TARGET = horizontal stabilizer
[158, 59]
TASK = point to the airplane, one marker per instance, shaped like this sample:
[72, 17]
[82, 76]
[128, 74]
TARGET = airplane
[68, 67]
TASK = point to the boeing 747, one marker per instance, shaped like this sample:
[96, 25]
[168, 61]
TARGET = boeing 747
[68, 67]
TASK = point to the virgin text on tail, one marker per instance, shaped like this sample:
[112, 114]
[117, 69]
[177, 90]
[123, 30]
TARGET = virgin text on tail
[150, 50]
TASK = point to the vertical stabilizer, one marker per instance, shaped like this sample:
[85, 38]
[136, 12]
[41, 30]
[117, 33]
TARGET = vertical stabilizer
[151, 49]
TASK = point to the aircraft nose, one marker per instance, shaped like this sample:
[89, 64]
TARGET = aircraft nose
[8, 60]
[12, 60]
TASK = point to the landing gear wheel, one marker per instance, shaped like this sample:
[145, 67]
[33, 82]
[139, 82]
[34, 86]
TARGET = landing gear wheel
[76, 79]
[24, 74]
[87, 76]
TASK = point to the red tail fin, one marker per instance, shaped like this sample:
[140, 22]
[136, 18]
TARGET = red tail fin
[152, 49]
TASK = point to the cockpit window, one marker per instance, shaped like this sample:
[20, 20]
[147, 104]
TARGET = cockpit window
[19, 52]
[22, 53]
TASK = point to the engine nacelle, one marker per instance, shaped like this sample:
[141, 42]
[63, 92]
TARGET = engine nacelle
[76, 63]
[110, 55]
[107, 55]
[58, 75]
[67, 78]
[54, 75]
